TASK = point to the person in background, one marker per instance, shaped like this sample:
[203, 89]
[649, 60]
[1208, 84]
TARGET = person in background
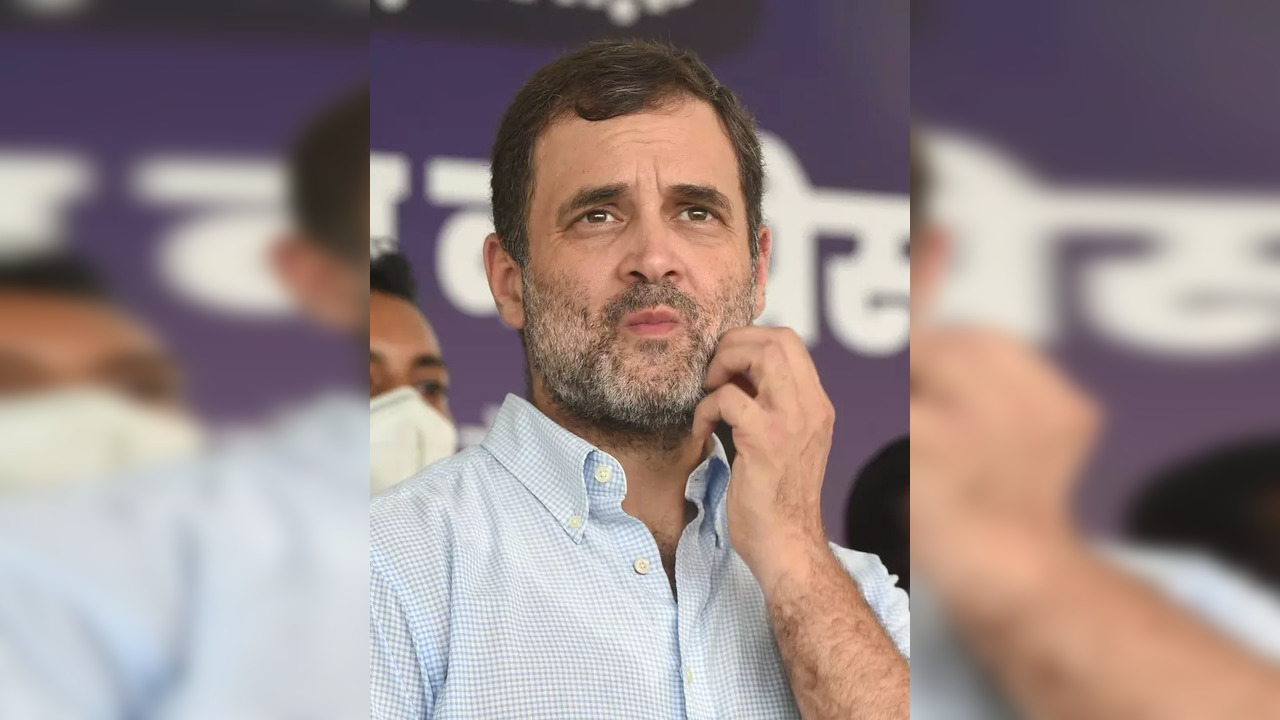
[410, 426]
[592, 557]
[1224, 502]
[78, 370]
[1015, 609]
[232, 585]
[878, 517]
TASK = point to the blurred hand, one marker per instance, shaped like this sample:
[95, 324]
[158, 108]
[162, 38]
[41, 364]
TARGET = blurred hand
[766, 387]
[998, 438]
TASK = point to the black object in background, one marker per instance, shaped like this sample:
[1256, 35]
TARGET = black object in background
[1224, 502]
[878, 517]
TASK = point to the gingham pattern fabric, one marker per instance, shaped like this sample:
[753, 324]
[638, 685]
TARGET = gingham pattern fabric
[507, 582]
[225, 587]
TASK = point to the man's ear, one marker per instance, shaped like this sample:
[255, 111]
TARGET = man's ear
[505, 282]
[762, 267]
[930, 253]
[323, 286]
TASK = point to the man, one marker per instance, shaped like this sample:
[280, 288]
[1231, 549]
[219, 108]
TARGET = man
[1017, 609]
[224, 587]
[878, 516]
[76, 367]
[410, 426]
[403, 349]
[61, 329]
[592, 557]
[1225, 502]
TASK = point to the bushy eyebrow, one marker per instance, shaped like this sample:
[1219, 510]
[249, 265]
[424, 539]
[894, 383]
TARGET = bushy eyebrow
[588, 196]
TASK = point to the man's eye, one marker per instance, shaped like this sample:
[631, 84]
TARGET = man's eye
[150, 390]
[432, 389]
[597, 217]
[698, 214]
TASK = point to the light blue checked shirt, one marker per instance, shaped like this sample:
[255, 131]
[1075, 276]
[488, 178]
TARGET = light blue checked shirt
[507, 582]
[227, 587]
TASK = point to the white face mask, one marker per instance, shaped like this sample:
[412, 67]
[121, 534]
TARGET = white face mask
[85, 434]
[405, 435]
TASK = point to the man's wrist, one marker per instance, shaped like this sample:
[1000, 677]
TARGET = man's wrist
[1013, 588]
[792, 566]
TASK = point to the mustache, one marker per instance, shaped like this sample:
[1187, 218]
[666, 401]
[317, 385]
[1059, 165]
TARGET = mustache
[642, 296]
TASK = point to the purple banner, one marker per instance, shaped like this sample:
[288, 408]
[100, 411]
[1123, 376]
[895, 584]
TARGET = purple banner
[158, 157]
[1118, 202]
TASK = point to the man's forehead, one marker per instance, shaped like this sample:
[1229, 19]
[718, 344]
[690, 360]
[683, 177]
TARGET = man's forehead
[396, 320]
[52, 321]
[685, 142]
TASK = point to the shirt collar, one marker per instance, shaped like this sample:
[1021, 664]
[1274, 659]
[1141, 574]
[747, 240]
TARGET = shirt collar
[707, 488]
[558, 467]
[548, 459]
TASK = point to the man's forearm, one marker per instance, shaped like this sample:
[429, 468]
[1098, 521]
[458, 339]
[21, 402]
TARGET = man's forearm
[1095, 644]
[841, 664]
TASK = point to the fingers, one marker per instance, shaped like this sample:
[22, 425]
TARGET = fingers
[975, 366]
[1018, 411]
[774, 360]
[729, 403]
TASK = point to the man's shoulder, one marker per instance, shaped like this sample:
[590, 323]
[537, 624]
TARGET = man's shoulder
[864, 568]
[433, 501]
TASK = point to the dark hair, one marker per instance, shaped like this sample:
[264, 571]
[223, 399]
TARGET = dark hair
[921, 185]
[874, 518]
[391, 273]
[329, 176]
[1214, 502]
[604, 80]
[57, 273]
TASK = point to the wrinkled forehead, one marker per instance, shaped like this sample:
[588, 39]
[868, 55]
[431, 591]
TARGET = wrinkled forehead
[679, 142]
[63, 333]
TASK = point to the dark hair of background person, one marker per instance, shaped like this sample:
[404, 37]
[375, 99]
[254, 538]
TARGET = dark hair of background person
[1225, 502]
[391, 273]
[920, 185]
[604, 80]
[56, 273]
[329, 176]
[878, 513]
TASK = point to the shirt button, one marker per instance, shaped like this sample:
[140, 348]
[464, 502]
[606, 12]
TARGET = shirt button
[603, 474]
[719, 530]
[575, 522]
[641, 565]
[688, 674]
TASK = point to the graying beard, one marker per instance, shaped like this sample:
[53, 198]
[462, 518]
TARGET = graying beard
[597, 395]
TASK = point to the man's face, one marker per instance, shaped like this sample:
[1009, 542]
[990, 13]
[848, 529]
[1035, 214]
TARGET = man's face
[50, 342]
[404, 352]
[639, 262]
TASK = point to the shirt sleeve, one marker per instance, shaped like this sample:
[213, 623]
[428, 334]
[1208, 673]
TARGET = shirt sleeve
[888, 601]
[89, 604]
[1232, 603]
[396, 686]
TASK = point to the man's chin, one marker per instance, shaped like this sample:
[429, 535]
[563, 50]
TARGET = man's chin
[655, 374]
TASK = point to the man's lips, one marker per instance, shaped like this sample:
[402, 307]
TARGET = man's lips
[654, 321]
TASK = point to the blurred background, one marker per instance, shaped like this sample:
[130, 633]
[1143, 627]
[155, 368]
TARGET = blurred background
[828, 83]
[147, 138]
[1109, 174]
